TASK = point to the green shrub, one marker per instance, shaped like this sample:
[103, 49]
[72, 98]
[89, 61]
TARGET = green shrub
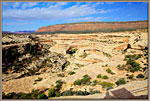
[131, 63]
[108, 88]
[79, 65]
[82, 93]
[84, 80]
[66, 64]
[131, 76]
[51, 92]
[25, 96]
[34, 94]
[39, 79]
[57, 94]
[121, 67]
[121, 81]
[134, 65]
[71, 52]
[106, 84]
[77, 82]
[94, 91]
[105, 77]
[67, 93]
[60, 75]
[108, 70]
[133, 57]
[71, 73]
[99, 76]
[42, 96]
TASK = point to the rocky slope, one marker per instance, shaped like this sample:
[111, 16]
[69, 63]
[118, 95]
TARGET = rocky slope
[86, 64]
[95, 26]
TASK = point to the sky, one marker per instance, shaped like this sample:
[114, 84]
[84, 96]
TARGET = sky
[21, 16]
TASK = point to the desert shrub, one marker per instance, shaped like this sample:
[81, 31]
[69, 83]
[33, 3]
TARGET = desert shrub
[99, 76]
[39, 79]
[106, 54]
[25, 96]
[71, 73]
[105, 77]
[131, 63]
[134, 65]
[140, 76]
[121, 67]
[51, 92]
[42, 96]
[71, 52]
[110, 87]
[121, 81]
[82, 93]
[131, 76]
[95, 81]
[8, 96]
[108, 70]
[59, 83]
[84, 80]
[57, 94]
[79, 65]
[34, 94]
[94, 92]
[67, 93]
[77, 82]
[133, 57]
[106, 84]
[60, 75]
[67, 63]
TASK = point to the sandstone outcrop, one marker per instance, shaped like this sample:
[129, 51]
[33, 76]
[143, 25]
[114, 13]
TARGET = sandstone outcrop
[95, 26]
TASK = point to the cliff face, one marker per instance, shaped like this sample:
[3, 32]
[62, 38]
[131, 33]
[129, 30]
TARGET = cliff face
[92, 26]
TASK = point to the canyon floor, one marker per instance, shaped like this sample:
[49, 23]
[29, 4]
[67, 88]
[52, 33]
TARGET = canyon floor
[103, 57]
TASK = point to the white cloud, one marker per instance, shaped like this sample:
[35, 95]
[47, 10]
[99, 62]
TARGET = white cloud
[17, 23]
[110, 3]
[129, 3]
[29, 4]
[53, 12]
[89, 19]
[16, 4]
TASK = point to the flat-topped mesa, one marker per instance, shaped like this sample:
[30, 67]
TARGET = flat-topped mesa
[95, 26]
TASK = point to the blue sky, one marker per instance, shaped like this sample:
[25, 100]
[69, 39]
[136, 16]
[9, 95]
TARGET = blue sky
[19, 16]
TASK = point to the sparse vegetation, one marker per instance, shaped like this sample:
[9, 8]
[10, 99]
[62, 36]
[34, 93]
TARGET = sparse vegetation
[35, 94]
[105, 77]
[108, 70]
[121, 81]
[73, 51]
[79, 65]
[99, 76]
[130, 76]
[71, 73]
[51, 92]
[84, 80]
[56, 57]
[66, 64]
[61, 75]
[106, 84]
[106, 54]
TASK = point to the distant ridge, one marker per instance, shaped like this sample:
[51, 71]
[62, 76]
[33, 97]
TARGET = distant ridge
[21, 32]
[89, 27]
